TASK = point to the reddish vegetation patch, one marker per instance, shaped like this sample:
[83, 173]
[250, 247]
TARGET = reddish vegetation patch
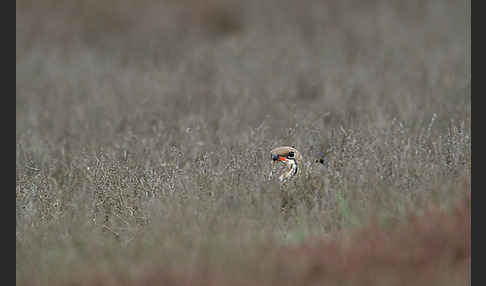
[430, 249]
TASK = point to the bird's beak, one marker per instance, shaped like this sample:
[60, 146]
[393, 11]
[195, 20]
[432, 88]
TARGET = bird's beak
[276, 157]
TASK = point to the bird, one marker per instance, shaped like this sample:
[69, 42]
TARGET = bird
[290, 158]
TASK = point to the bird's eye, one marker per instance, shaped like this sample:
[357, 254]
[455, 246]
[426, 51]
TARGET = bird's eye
[291, 155]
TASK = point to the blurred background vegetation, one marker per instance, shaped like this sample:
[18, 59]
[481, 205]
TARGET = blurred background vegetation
[143, 131]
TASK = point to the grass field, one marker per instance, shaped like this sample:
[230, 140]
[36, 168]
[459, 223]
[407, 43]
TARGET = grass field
[144, 130]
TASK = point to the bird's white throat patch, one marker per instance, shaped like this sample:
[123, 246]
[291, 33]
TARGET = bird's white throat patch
[291, 170]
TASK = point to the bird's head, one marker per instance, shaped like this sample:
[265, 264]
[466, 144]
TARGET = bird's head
[290, 158]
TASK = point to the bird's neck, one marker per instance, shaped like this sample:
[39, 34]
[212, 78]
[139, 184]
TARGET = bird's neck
[293, 168]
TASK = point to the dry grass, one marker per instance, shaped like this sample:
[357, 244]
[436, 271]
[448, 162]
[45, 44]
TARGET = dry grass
[432, 248]
[144, 130]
